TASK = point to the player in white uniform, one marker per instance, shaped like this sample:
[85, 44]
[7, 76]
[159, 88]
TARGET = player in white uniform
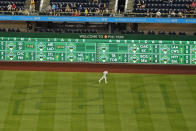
[104, 77]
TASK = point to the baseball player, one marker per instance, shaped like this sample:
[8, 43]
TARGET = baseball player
[104, 76]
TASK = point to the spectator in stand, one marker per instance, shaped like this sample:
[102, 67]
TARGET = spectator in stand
[89, 12]
[9, 7]
[192, 5]
[158, 14]
[26, 12]
[74, 6]
[86, 12]
[106, 11]
[71, 11]
[143, 5]
[170, 2]
[49, 8]
[104, 6]
[53, 7]
[13, 6]
[57, 8]
[185, 12]
[80, 8]
[67, 8]
[101, 12]
[100, 5]
[71, 6]
[187, 8]
[76, 13]
[139, 4]
[180, 14]
[97, 12]
[15, 12]
[173, 14]
[20, 11]
[95, 1]
[112, 13]
[58, 12]
[169, 14]
[32, 5]
[60, 6]
[148, 13]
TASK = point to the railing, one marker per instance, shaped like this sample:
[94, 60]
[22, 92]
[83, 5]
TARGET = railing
[167, 15]
[110, 13]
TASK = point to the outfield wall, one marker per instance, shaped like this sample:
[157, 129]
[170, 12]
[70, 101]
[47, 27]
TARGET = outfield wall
[99, 36]
[83, 48]
[98, 19]
[90, 67]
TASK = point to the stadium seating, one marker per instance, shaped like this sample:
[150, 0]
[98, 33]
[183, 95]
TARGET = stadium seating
[151, 32]
[172, 33]
[9, 30]
[2, 30]
[182, 33]
[164, 6]
[162, 32]
[81, 7]
[132, 32]
[60, 30]
[16, 6]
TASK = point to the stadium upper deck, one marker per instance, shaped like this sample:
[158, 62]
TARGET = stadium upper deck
[158, 8]
[14, 7]
[79, 7]
[139, 8]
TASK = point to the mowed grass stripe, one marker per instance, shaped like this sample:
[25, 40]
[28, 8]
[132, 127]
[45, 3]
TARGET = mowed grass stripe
[16, 107]
[111, 116]
[48, 102]
[31, 102]
[191, 82]
[63, 102]
[79, 109]
[125, 102]
[174, 111]
[1, 76]
[156, 103]
[95, 107]
[7, 84]
[141, 104]
[37, 101]
[186, 100]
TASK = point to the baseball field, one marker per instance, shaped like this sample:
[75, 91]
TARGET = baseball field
[73, 101]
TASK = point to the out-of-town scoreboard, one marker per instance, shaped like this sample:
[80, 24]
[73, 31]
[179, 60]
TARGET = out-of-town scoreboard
[97, 50]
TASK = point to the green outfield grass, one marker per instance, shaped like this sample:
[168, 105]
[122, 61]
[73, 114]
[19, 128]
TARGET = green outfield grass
[59, 101]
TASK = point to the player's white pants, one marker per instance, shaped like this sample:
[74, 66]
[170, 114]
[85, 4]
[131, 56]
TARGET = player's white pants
[103, 77]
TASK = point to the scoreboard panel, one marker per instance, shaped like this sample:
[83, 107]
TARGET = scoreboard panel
[98, 50]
